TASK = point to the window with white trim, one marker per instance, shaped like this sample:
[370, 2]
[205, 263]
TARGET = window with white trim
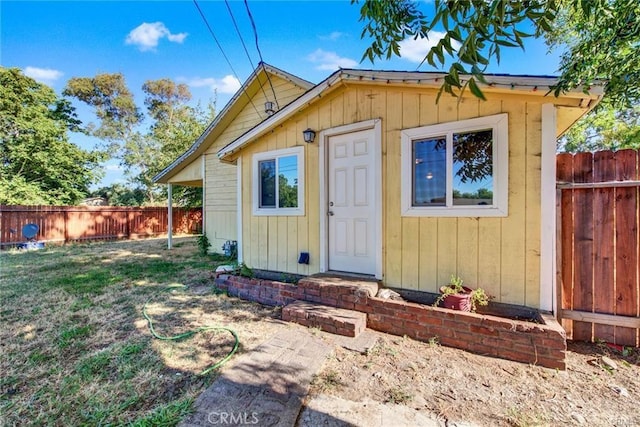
[456, 169]
[278, 182]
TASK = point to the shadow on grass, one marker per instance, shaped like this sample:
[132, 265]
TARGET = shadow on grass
[79, 352]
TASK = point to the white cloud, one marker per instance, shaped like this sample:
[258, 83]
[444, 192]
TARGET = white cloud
[228, 84]
[330, 60]
[333, 36]
[177, 38]
[113, 167]
[43, 75]
[146, 36]
[416, 50]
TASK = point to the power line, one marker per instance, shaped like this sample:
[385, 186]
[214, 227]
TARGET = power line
[204, 18]
[255, 32]
[244, 46]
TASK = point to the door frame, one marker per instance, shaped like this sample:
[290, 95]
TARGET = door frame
[376, 126]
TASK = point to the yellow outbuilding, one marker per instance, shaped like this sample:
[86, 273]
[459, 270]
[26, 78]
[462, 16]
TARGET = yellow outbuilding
[368, 172]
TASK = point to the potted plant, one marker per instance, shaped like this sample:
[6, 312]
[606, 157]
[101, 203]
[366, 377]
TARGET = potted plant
[457, 297]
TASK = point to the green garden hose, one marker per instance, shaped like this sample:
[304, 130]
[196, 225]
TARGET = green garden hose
[193, 332]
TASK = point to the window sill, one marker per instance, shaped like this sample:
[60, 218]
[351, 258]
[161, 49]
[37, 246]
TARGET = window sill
[278, 212]
[444, 212]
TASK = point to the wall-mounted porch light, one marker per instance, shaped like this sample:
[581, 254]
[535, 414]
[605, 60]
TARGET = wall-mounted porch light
[309, 135]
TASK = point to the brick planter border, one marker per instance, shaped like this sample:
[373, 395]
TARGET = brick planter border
[527, 342]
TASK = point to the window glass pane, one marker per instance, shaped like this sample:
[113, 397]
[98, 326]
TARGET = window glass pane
[473, 168]
[429, 172]
[288, 182]
[267, 183]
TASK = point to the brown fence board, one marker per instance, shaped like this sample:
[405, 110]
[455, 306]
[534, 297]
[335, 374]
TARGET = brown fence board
[583, 245]
[81, 223]
[627, 238]
[599, 244]
[603, 243]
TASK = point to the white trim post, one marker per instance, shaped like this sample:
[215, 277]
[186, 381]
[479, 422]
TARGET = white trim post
[548, 264]
[170, 216]
[323, 266]
[239, 209]
[204, 192]
[377, 130]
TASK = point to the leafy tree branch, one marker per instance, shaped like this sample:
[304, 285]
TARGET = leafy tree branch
[600, 39]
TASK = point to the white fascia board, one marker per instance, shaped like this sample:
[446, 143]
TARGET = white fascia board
[428, 79]
[219, 117]
[304, 84]
[280, 116]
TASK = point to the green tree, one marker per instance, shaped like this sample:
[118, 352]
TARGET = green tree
[599, 39]
[604, 38]
[484, 193]
[39, 164]
[144, 151]
[605, 128]
[120, 195]
[113, 104]
[176, 125]
[288, 193]
[608, 41]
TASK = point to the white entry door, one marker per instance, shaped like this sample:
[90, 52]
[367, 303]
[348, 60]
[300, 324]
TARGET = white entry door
[352, 205]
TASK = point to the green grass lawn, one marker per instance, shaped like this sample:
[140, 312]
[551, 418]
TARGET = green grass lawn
[76, 350]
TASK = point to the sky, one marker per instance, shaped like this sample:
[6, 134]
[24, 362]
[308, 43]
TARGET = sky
[53, 41]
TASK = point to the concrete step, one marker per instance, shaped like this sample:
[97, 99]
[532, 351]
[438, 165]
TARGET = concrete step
[329, 319]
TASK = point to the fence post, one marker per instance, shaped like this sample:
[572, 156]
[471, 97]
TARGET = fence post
[66, 226]
[559, 284]
[128, 212]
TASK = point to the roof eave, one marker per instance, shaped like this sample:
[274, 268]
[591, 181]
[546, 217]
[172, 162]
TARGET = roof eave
[280, 116]
[512, 82]
[197, 147]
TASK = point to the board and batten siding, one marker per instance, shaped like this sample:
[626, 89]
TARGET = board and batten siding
[221, 209]
[502, 255]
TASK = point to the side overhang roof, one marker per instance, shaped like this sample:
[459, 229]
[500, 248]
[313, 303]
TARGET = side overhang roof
[239, 100]
[497, 83]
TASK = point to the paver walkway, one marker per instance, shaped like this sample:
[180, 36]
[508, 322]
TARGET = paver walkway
[267, 387]
[264, 387]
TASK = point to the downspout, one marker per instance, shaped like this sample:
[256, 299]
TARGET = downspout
[204, 193]
[240, 254]
[170, 217]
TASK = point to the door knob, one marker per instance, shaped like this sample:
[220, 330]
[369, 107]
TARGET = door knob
[330, 213]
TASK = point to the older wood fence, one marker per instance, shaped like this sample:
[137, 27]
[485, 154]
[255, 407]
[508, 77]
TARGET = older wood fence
[79, 223]
[599, 262]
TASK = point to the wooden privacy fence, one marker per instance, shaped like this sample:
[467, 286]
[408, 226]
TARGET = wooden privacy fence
[79, 223]
[599, 263]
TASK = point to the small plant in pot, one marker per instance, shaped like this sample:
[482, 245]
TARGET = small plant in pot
[457, 297]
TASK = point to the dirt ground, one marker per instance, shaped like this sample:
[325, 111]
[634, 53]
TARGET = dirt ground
[464, 388]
